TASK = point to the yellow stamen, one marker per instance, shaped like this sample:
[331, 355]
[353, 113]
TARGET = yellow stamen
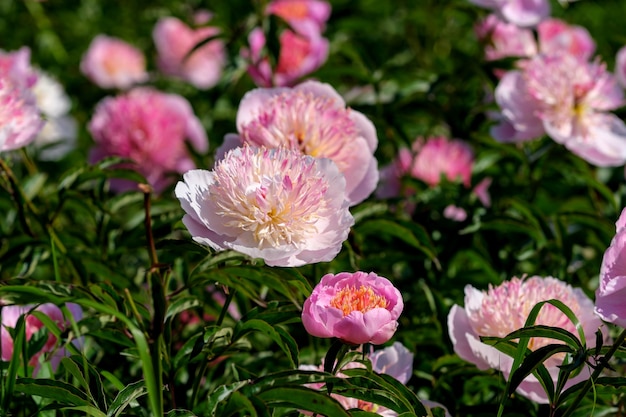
[363, 299]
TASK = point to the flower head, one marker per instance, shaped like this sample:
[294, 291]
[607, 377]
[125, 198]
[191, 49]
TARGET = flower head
[112, 63]
[354, 307]
[610, 294]
[501, 310]
[150, 128]
[503, 39]
[306, 17]
[525, 13]
[174, 40]
[276, 204]
[311, 118]
[557, 37]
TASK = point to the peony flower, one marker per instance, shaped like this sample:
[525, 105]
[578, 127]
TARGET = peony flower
[354, 307]
[439, 156]
[570, 100]
[150, 128]
[58, 136]
[112, 63]
[620, 66]
[20, 119]
[306, 17]
[276, 204]
[557, 37]
[504, 40]
[298, 56]
[503, 309]
[174, 40]
[312, 119]
[523, 13]
[10, 315]
[610, 294]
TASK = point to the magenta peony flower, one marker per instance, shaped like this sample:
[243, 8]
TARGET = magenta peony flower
[610, 294]
[150, 128]
[112, 63]
[10, 315]
[20, 119]
[503, 39]
[276, 204]
[306, 17]
[313, 119]
[174, 40]
[524, 13]
[354, 307]
[505, 308]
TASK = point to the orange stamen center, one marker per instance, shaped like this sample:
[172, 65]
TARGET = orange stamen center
[361, 299]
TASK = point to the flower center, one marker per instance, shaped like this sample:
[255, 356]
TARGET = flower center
[361, 299]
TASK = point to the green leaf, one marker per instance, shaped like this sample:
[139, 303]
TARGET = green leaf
[55, 390]
[303, 399]
[125, 397]
[282, 338]
[180, 413]
[221, 393]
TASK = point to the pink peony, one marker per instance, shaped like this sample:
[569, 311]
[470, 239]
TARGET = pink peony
[557, 37]
[440, 156]
[112, 63]
[276, 204]
[298, 56]
[620, 66]
[10, 315]
[306, 17]
[150, 128]
[313, 119]
[501, 310]
[174, 40]
[20, 119]
[503, 39]
[354, 307]
[523, 13]
[610, 294]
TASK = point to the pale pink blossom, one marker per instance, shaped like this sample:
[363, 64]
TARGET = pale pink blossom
[525, 13]
[503, 309]
[610, 305]
[11, 314]
[440, 156]
[174, 40]
[298, 56]
[313, 119]
[620, 66]
[150, 128]
[354, 307]
[113, 63]
[558, 37]
[569, 99]
[306, 17]
[455, 213]
[20, 118]
[276, 204]
[505, 40]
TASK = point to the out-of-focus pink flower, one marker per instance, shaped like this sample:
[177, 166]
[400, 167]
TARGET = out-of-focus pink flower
[112, 63]
[505, 40]
[395, 360]
[440, 156]
[311, 118]
[569, 99]
[298, 56]
[610, 294]
[525, 13]
[455, 213]
[481, 190]
[20, 119]
[174, 40]
[150, 128]
[306, 17]
[620, 66]
[354, 307]
[276, 204]
[557, 37]
[10, 315]
[505, 308]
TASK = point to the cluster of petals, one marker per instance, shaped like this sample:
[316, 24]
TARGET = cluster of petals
[20, 118]
[113, 63]
[11, 314]
[524, 13]
[150, 128]
[354, 307]
[276, 204]
[302, 50]
[313, 119]
[505, 308]
[610, 294]
[174, 41]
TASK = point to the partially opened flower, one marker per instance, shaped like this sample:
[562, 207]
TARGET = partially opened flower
[174, 42]
[354, 307]
[501, 310]
[306, 17]
[505, 40]
[525, 13]
[150, 128]
[20, 118]
[113, 63]
[610, 305]
[311, 118]
[276, 204]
